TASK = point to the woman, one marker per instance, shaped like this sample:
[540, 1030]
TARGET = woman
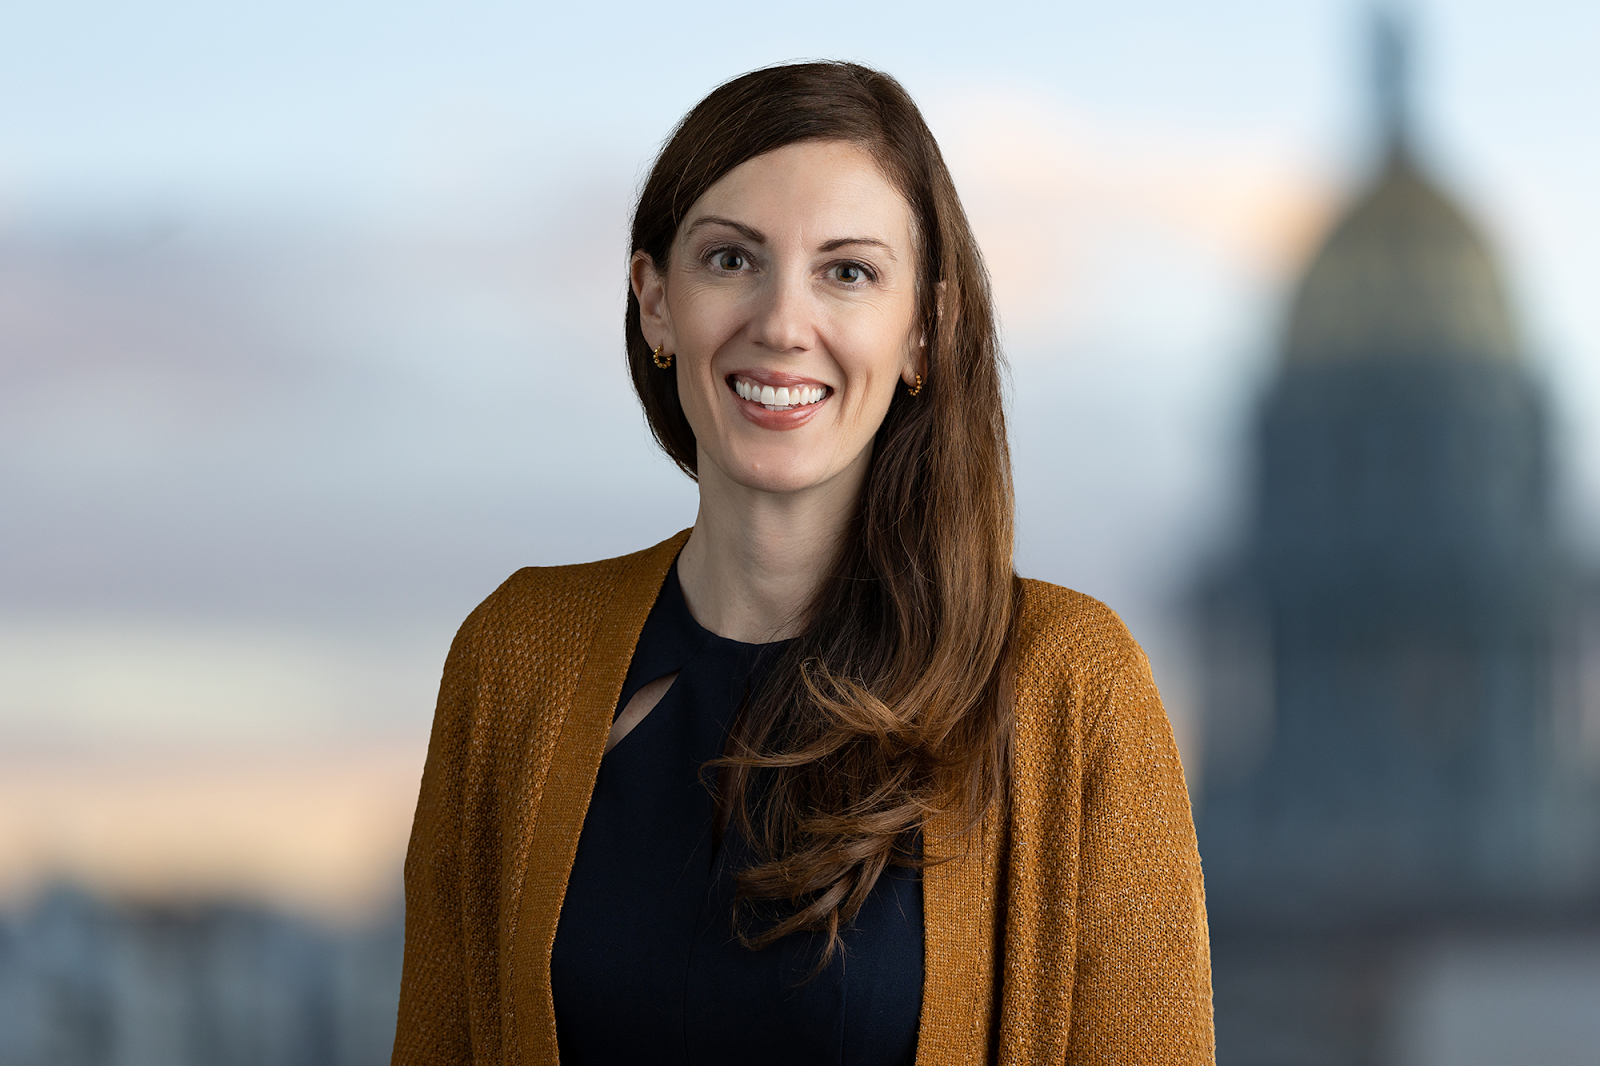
[819, 780]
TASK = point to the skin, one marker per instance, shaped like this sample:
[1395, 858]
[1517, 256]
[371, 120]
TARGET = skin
[797, 268]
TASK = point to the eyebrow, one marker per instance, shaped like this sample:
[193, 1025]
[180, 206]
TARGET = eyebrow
[747, 232]
[842, 242]
[754, 235]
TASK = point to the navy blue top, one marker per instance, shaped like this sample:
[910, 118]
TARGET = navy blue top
[646, 967]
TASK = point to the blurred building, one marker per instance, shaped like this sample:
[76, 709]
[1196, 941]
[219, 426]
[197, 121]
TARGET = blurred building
[1393, 771]
[87, 983]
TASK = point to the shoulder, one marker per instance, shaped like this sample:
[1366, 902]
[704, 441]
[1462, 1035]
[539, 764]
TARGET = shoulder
[516, 661]
[568, 599]
[543, 620]
[1073, 658]
[1059, 630]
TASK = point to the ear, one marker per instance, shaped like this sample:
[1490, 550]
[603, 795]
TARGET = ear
[650, 289]
[918, 363]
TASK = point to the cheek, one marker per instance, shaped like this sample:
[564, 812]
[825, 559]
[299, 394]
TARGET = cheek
[878, 351]
[703, 319]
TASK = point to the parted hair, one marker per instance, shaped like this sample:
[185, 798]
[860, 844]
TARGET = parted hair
[892, 705]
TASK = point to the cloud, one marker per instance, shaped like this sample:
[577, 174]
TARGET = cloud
[105, 680]
[321, 830]
[1069, 209]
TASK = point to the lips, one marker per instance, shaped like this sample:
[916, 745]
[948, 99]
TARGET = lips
[777, 400]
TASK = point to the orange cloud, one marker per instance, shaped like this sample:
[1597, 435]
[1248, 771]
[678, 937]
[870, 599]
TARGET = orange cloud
[1055, 198]
[320, 831]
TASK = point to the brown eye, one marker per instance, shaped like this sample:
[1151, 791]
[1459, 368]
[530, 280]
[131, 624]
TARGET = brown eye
[731, 261]
[850, 273]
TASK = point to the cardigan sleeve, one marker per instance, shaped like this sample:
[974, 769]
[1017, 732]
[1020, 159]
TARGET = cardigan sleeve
[1142, 983]
[434, 1027]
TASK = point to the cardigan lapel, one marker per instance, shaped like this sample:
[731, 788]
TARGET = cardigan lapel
[559, 808]
[959, 943]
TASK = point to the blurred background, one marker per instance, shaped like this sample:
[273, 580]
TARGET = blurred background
[310, 335]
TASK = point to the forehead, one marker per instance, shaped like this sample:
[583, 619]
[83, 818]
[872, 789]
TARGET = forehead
[823, 189]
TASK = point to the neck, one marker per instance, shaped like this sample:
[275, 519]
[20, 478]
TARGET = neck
[756, 559]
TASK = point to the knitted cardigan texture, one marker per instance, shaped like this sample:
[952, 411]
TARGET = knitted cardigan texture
[1070, 927]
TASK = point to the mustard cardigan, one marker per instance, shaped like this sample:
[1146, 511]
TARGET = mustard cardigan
[1072, 929]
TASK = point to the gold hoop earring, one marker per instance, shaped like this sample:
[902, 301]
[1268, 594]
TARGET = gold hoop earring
[912, 390]
[662, 361]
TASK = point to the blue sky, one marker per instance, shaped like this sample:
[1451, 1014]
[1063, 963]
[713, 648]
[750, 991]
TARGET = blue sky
[255, 102]
[309, 310]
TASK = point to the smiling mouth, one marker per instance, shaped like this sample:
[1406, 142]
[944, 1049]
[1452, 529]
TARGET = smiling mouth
[782, 398]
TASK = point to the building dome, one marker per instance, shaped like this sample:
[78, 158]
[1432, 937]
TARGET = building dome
[1404, 275]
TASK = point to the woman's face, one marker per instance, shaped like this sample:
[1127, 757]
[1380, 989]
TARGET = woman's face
[789, 306]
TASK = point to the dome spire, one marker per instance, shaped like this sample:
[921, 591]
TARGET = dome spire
[1391, 77]
[1405, 274]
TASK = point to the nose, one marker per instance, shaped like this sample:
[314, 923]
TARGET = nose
[782, 318]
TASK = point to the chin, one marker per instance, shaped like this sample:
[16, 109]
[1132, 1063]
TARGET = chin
[779, 474]
[780, 482]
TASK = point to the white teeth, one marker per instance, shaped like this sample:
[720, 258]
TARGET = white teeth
[784, 397]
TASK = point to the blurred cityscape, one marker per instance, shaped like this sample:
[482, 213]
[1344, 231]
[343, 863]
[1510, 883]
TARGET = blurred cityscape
[1400, 661]
[254, 477]
[213, 984]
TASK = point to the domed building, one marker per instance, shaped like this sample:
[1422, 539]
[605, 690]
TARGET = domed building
[1390, 709]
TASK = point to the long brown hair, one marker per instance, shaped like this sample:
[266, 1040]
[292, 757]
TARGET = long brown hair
[891, 706]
